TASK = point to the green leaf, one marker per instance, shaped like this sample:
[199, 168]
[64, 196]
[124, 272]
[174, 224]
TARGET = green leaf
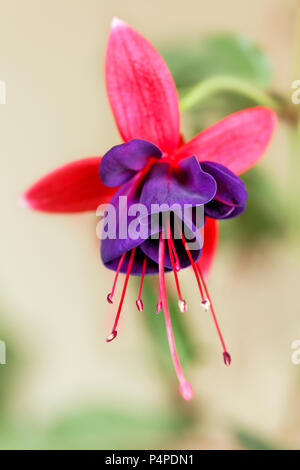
[115, 428]
[207, 60]
[222, 54]
[264, 217]
[252, 441]
[97, 428]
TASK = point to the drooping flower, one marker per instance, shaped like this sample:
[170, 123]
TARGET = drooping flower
[155, 166]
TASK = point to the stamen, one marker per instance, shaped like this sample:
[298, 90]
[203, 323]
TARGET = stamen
[139, 302]
[181, 303]
[177, 262]
[114, 329]
[226, 355]
[203, 299]
[185, 387]
[137, 179]
[110, 295]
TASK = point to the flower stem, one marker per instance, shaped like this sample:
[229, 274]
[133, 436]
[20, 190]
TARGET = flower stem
[218, 84]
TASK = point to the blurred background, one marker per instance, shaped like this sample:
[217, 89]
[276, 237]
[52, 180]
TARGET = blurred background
[63, 386]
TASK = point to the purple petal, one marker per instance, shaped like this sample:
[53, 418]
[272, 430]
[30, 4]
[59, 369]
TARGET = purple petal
[137, 266]
[113, 248]
[193, 236]
[122, 162]
[185, 185]
[177, 188]
[231, 196]
[188, 185]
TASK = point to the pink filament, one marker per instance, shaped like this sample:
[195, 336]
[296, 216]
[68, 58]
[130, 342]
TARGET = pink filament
[185, 387]
[169, 238]
[159, 303]
[124, 290]
[200, 279]
[213, 313]
[193, 265]
[110, 295]
[142, 278]
[177, 263]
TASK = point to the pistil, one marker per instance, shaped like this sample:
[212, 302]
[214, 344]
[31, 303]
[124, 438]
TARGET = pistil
[185, 387]
[114, 329]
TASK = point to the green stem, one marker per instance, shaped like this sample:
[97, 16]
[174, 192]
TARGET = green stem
[218, 84]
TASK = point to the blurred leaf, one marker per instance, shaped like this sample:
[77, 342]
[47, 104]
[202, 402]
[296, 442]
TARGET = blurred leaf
[95, 428]
[213, 56]
[16, 437]
[8, 371]
[155, 324]
[116, 429]
[214, 109]
[264, 215]
[221, 54]
[253, 441]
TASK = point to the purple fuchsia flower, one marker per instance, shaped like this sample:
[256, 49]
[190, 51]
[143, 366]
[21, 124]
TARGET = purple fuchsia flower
[155, 166]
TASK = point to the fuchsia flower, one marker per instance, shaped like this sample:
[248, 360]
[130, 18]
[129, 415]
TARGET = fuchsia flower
[154, 165]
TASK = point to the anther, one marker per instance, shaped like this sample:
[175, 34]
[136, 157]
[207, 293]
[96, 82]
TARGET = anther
[112, 336]
[139, 302]
[182, 305]
[226, 355]
[205, 304]
[227, 358]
